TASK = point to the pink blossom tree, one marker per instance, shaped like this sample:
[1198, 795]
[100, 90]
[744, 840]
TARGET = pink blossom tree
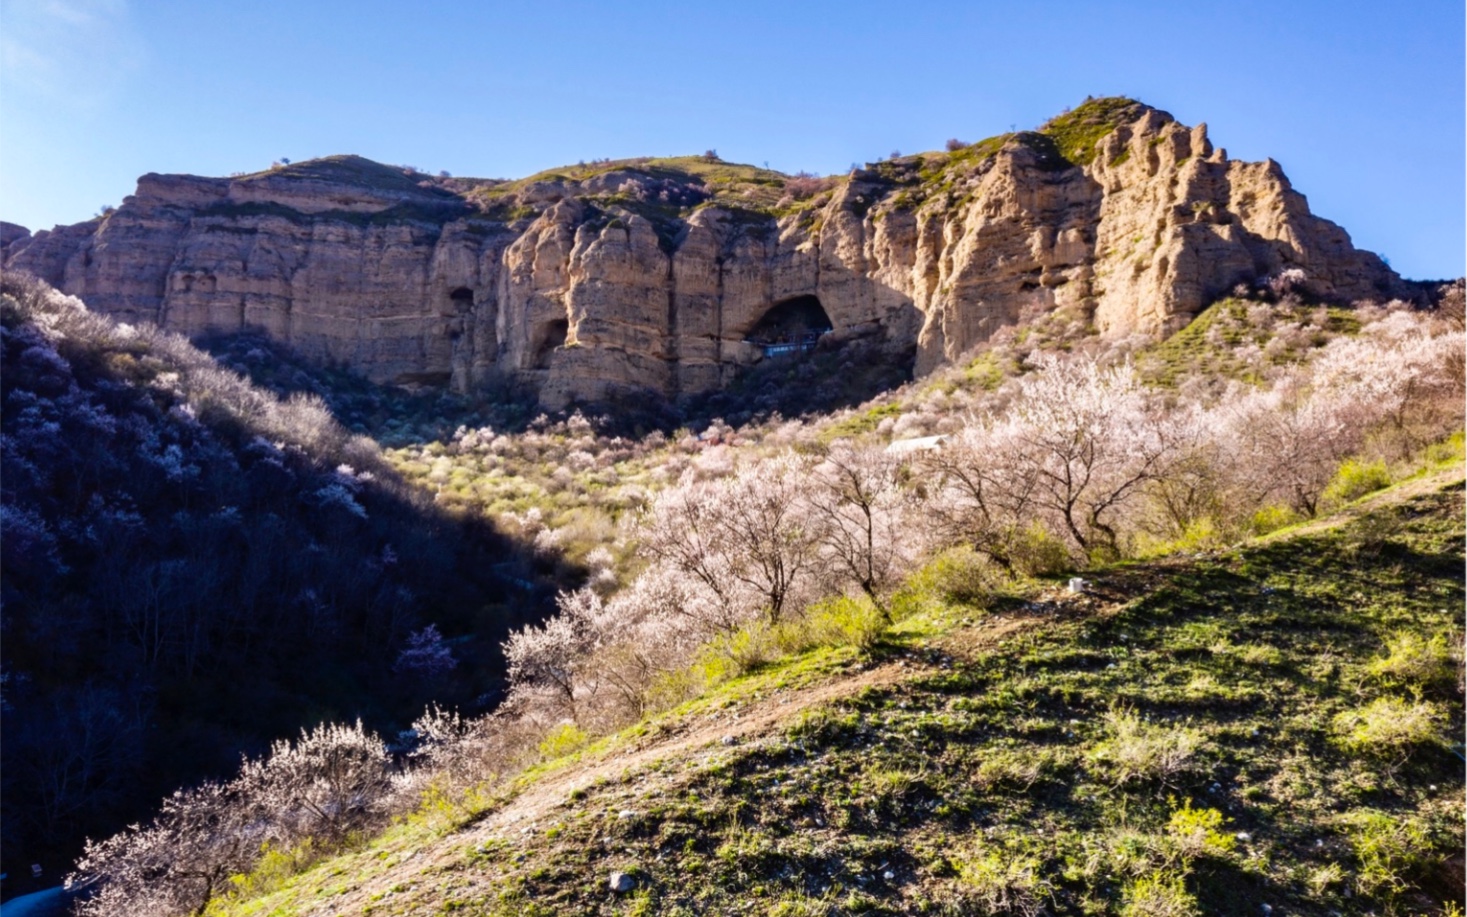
[426, 655]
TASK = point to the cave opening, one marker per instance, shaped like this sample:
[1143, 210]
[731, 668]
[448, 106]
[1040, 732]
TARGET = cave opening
[462, 299]
[790, 326]
[552, 335]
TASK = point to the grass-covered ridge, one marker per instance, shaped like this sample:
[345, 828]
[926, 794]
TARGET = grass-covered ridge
[1238, 339]
[353, 170]
[1268, 726]
[755, 195]
[704, 169]
[734, 184]
[1077, 132]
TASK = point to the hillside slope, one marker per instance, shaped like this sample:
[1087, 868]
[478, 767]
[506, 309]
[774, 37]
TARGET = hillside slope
[666, 275]
[1266, 730]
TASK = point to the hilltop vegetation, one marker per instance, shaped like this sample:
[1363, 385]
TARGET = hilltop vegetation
[1076, 132]
[668, 189]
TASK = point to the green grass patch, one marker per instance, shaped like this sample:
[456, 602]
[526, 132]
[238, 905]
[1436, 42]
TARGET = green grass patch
[1355, 479]
[1077, 132]
[1215, 343]
[859, 424]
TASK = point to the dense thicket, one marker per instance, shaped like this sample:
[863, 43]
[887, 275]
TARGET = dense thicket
[195, 567]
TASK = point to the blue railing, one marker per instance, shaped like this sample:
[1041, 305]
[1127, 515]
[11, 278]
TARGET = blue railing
[784, 348]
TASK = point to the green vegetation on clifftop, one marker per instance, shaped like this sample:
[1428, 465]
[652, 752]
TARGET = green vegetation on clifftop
[1077, 132]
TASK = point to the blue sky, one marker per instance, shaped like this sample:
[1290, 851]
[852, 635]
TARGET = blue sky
[1362, 105]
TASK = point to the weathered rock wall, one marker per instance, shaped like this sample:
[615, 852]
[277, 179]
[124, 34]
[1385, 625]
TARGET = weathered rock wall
[583, 296]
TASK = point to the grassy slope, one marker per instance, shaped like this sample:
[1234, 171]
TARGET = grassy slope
[1209, 345]
[970, 766]
[1077, 132]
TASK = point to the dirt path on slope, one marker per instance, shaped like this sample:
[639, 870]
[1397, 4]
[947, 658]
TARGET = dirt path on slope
[1401, 493]
[546, 799]
[418, 882]
[683, 739]
[414, 885]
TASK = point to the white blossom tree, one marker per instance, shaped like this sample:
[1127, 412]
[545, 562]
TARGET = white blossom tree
[864, 517]
[1074, 449]
[178, 862]
[971, 497]
[329, 781]
[1083, 440]
[685, 530]
[771, 544]
[554, 659]
[1395, 372]
[744, 540]
[1292, 443]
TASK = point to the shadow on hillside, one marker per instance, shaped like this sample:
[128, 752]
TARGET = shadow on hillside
[394, 416]
[181, 589]
[835, 375]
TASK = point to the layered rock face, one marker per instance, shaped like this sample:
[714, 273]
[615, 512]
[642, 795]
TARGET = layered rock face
[656, 274]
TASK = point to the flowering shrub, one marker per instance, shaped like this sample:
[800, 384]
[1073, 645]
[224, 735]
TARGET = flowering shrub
[426, 655]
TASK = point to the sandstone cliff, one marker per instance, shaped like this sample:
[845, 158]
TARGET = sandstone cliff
[655, 273]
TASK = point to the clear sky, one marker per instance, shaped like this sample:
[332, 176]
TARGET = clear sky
[1361, 102]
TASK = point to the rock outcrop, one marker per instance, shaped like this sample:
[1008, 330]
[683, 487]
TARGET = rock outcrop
[655, 274]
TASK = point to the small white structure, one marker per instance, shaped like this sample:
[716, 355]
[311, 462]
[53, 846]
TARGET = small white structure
[916, 444]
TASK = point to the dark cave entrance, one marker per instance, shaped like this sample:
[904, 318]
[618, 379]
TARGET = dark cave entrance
[552, 335]
[462, 300]
[791, 325]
